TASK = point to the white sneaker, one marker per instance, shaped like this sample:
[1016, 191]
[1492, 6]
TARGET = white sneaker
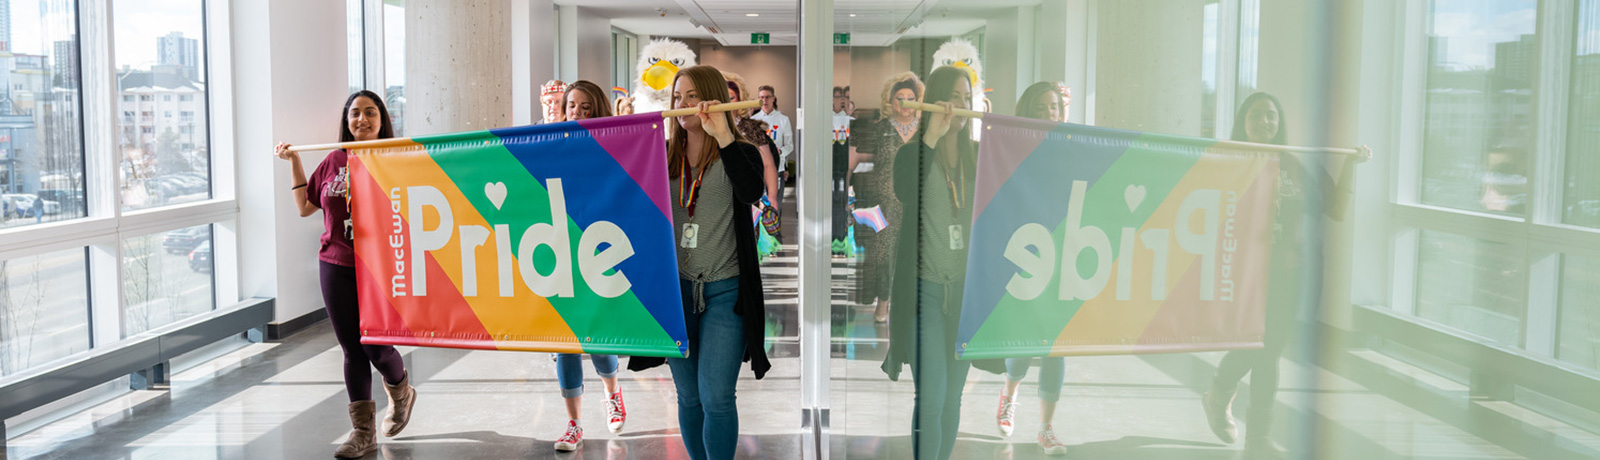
[572, 439]
[617, 413]
[1049, 443]
[1008, 410]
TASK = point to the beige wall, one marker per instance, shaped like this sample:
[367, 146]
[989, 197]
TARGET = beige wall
[765, 65]
[866, 68]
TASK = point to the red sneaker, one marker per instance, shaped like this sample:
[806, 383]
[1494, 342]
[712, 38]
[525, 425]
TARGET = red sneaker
[571, 439]
[618, 412]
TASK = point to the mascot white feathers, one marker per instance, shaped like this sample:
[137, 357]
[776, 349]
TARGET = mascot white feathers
[659, 62]
[960, 53]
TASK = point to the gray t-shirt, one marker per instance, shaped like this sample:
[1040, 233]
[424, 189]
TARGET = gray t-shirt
[944, 228]
[708, 252]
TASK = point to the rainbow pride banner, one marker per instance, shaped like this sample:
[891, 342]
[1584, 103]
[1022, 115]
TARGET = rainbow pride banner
[1090, 241]
[540, 238]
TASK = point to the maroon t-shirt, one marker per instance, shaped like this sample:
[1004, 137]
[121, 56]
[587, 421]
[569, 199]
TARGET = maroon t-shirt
[326, 189]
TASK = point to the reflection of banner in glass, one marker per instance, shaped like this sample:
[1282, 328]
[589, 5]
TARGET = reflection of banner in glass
[455, 245]
[1096, 241]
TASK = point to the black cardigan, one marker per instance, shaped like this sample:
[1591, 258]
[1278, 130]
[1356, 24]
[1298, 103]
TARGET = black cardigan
[909, 173]
[742, 162]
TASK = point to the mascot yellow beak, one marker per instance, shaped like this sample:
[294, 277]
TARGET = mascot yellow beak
[659, 75]
[972, 74]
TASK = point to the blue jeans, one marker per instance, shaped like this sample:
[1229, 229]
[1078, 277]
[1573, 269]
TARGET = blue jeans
[569, 371]
[1052, 371]
[938, 376]
[707, 414]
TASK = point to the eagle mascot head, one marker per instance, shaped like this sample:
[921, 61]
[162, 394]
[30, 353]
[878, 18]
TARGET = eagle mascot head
[960, 53]
[659, 62]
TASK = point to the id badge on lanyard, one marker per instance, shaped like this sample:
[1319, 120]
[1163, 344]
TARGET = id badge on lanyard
[691, 236]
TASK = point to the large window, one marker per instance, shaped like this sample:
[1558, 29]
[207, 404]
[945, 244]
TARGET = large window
[1579, 339]
[1478, 137]
[1472, 285]
[355, 61]
[1583, 125]
[41, 143]
[159, 54]
[394, 63]
[44, 309]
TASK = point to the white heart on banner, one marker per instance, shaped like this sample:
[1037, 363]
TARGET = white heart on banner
[496, 191]
[1134, 195]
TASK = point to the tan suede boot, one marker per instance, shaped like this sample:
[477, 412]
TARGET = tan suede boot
[401, 397]
[363, 438]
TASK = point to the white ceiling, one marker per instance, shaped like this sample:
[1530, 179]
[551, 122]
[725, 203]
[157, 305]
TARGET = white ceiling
[870, 22]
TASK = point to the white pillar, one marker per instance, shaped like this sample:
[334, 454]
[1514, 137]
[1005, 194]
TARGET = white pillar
[458, 66]
[1148, 66]
[532, 56]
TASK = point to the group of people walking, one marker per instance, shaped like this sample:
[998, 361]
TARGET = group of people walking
[918, 167]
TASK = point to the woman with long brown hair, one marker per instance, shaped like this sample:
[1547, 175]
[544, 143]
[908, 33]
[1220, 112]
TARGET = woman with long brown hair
[715, 178]
[584, 100]
[328, 189]
[934, 177]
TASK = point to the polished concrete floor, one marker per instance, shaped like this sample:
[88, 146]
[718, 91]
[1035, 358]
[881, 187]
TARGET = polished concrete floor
[285, 400]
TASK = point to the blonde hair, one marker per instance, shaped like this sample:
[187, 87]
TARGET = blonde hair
[897, 81]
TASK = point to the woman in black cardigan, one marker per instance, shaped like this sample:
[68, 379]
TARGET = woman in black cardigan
[716, 177]
[934, 175]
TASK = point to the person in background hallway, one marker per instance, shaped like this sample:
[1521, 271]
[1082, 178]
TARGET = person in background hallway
[841, 172]
[876, 145]
[551, 99]
[1305, 194]
[781, 130]
[1043, 101]
[364, 118]
[755, 132]
[934, 175]
[715, 178]
[585, 100]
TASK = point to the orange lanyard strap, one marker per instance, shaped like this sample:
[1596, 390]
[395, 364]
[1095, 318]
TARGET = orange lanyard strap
[955, 194]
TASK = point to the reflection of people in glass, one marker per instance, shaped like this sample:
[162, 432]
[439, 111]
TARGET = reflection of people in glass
[876, 147]
[585, 100]
[1044, 101]
[365, 118]
[715, 178]
[934, 176]
[1295, 283]
[1505, 184]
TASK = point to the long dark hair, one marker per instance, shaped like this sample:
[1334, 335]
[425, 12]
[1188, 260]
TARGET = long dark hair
[384, 132]
[941, 87]
[1025, 103]
[1239, 134]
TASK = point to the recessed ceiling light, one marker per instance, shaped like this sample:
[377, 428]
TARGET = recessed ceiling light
[852, 15]
[751, 15]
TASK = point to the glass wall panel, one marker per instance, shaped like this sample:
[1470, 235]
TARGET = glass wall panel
[44, 309]
[166, 277]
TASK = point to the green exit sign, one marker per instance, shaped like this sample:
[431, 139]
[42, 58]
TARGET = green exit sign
[760, 39]
[841, 39]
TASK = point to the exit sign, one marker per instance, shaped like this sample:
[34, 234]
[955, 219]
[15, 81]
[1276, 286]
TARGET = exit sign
[841, 39]
[760, 39]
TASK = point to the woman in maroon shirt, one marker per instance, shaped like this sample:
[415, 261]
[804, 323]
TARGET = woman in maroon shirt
[364, 119]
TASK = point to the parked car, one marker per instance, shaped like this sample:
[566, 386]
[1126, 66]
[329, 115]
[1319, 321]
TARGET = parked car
[69, 199]
[200, 258]
[9, 209]
[184, 240]
[31, 206]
